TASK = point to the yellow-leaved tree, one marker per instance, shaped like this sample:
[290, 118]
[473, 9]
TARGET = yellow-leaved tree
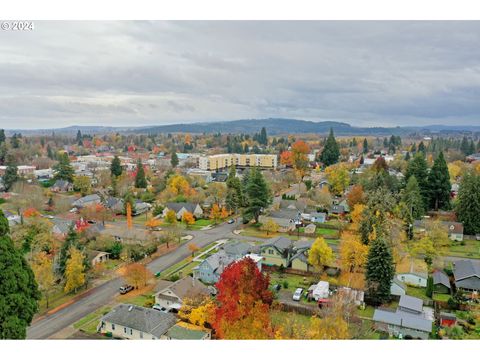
[198, 310]
[74, 270]
[353, 253]
[188, 218]
[320, 254]
[42, 266]
[270, 226]
[171, 217]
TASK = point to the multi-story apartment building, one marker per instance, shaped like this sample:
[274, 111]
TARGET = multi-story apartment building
[223, 161]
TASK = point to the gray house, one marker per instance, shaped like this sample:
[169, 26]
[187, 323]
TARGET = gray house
[182, 207]
[467, 275]
[88, 200]
[409, 319]
[210, 269]
[136, 323]
[62, 186]
[441, 283]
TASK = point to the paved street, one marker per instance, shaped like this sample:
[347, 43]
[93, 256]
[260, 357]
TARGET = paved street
[104, 294]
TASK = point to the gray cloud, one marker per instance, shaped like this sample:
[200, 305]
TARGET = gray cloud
[144, 73]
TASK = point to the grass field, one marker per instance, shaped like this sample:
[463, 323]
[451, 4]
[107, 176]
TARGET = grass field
[467, 248]
[90, 322]
[294, 281]
[417, 292]
[441, 297]
[280, 317]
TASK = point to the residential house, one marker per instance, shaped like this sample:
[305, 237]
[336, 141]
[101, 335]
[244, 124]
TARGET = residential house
[398, 288]
[173, 295]
[467, 275]
[338, 210]
[97, 257]
[257, 259]
[409, 319]
[210, 269]
[88, 200]
[299, 258]
[140, 207]
[236, 249]
[116, 205]
[182, 207]
[13, 219]
[62, 186]
[441, 283]
[61, 227]
[282, 219]
[413, 272]
[455, 229]
[133, 322]
[276, 251]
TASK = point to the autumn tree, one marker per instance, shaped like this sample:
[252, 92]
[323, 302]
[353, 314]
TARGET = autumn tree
[215, 213]
[198, 310]
[286, 158]
[355, 196]
[82, 184]
[153, 223]
[353, 253]
[270, 226]
[243, 302]
[171, 217]
[187, 218]
[379, 271]
[338, 177]
[320, 254]
[42, 266]
[300, 151]
[193, 248]
[74, 270]
[137, 275]
[433, 243]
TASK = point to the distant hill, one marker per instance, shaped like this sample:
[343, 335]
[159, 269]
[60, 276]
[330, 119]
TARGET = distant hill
[274, 127]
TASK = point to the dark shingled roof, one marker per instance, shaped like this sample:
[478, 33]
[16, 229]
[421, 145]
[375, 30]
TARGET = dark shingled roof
[190, 207]
[465, 269]
[439, 277]
[142, 319]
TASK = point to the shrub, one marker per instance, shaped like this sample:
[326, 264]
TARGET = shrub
[285, 284]
[157, 210]
[149, 302]
[174, 277]
[429, 291]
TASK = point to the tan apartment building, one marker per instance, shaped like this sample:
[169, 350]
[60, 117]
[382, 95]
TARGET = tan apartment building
[224, 161]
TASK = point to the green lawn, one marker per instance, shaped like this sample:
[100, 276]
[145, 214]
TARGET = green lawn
[467, 248]
[280, 317]
[417, 292]
[139, 300]
[441, 297]
[367, 312]
[294, 281]
[90, 322]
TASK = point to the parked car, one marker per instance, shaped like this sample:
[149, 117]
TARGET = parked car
[276, 287]
[231, 221]
[297, 294]
[125, 289]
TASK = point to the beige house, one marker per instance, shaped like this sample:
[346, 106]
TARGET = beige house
[276, 251]
[136, 323]
[97, 257]
[173, 295]
[223, 161]
[183, 207]
[284, 224]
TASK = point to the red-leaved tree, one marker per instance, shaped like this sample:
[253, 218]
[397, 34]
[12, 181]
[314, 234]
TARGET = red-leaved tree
[243, 310]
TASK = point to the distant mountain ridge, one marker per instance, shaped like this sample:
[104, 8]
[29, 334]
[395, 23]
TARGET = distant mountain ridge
[274, 126]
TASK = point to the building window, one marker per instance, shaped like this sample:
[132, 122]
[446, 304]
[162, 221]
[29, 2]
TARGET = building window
[270, 252]
[125, 330]
[131, 332]
[113, 326]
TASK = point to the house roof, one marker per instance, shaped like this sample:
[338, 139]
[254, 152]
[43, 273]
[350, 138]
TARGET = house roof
[284, 214]
[61, 183]
[465, 269]
[62, 225]
[411, 303]
[236, 248]
[218, 261]
[399, 283]
[303, 244]
[404, 319]
[439, 277]
[188, 286]
[190, 207]
[92, 254]
[280, 243]
[300, 256]
[454, 227]
[111, 202]
[87, 199]
[142, 319]
[179, 332]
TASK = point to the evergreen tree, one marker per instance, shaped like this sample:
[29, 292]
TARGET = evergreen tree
[64, 171]
[468, 203]
[438, 184]
[116, 167]
[421, 148]
[263, 139]
[50, 152]
[174, 159]
[365, 146]
[412, 198]
[418, 167]
[19, 294]
[14, 141]
[379, 272]
[407, 156]
[11, 174]
[331, 151]
[471, 149]
[79, 138]
[465, 146]
[140, 180]
[258, 194]
[234, 197]
[2, 136]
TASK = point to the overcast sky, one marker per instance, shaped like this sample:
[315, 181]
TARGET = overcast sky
[143, 73]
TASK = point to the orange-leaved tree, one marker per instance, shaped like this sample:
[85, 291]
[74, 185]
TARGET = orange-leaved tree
[188, 218]
[243, 302]
[136, 275]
